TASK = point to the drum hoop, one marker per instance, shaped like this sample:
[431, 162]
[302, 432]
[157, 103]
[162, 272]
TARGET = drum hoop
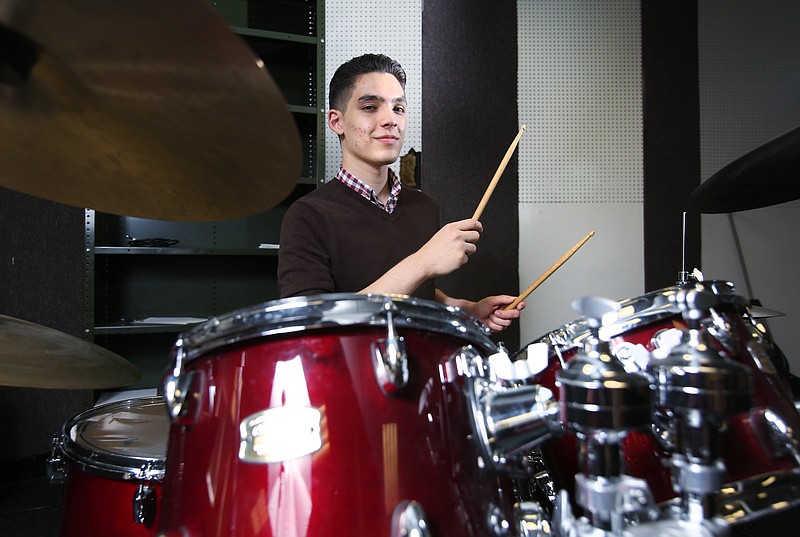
[569, 335]
[289, 315]
[107, 463]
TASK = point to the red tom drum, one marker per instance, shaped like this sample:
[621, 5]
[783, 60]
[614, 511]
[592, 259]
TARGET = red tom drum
[652, 323]
[325, 416]
[114, 455]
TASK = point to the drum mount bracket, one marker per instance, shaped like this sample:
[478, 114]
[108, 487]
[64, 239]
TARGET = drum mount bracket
[390, 359]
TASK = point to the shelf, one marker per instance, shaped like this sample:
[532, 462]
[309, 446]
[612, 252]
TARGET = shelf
[124, 250]
[277, 36]
[129, 329]
[297, 109]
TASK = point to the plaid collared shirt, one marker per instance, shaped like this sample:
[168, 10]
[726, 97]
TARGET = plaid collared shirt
[366, 191]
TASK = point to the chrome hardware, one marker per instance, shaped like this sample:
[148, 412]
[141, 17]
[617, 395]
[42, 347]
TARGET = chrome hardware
[389, 355]
[508, 416]
[602, 402]
[56, 465]
[540, 482]
[409, 520]
[280, 434]
[698, 387]
[144, 504]
[533, 521]
[783, 439]
[150, 471]
[467, 362]
[177, 386]
[498, 524]
[508, 421]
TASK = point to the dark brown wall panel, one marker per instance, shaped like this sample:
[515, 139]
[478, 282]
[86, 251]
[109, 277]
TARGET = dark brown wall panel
[671, 133]
[469, 99]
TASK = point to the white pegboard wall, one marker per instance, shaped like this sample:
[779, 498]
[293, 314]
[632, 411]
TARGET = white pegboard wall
[358, 27]
[580, 94]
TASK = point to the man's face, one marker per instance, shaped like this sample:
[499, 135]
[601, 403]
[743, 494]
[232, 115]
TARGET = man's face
[373, 125]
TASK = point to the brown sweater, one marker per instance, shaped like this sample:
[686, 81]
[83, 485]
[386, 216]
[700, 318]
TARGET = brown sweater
[335, 241]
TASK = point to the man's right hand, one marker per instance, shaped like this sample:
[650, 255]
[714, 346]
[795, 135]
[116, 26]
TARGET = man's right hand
[445, 252]
[449, 248]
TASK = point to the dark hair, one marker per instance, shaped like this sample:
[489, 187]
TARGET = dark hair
[344, 79]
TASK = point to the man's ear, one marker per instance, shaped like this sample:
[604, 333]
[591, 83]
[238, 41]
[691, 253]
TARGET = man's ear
[335, 121]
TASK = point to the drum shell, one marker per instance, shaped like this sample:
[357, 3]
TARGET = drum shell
[101, 484]
[377, 450]
[96, 506]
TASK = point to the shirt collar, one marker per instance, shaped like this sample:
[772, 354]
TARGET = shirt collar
[366, 191]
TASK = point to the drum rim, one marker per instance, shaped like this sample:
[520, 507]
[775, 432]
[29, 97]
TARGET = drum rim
[577, 330]
[290, 315]
[108, 463]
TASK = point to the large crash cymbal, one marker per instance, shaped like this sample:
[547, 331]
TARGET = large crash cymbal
[766, 176]
[145, 108]
[35, 356]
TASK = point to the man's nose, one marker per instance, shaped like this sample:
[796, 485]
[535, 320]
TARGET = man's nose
[388, 117]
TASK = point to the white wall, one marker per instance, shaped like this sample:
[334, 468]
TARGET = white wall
[580, 159]
[750, 94]
[357, 27]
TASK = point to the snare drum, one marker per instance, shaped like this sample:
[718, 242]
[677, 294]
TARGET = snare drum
[330, 415]
[653, 322]
[114, 463]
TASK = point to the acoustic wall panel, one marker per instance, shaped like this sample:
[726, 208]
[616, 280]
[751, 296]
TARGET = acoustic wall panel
[580, 89]
[580, 160]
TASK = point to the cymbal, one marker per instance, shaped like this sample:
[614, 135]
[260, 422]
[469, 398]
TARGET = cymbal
[35, 356]
[142, 108]
[766, 176]
[760, 312]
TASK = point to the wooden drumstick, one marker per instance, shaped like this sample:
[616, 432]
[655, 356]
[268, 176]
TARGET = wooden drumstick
[548, 272]
[497, 174]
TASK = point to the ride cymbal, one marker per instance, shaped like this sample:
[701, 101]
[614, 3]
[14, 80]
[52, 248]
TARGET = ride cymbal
[766, 176]
[35, 356]
[141, 108]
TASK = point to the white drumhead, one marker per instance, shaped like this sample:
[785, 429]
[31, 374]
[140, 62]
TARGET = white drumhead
[125, 438]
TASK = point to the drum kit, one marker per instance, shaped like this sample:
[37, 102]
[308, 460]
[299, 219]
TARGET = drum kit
[371, 414]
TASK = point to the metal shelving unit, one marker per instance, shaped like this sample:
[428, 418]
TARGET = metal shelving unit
[216, 267]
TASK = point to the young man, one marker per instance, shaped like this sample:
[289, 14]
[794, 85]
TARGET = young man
[363, 232]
